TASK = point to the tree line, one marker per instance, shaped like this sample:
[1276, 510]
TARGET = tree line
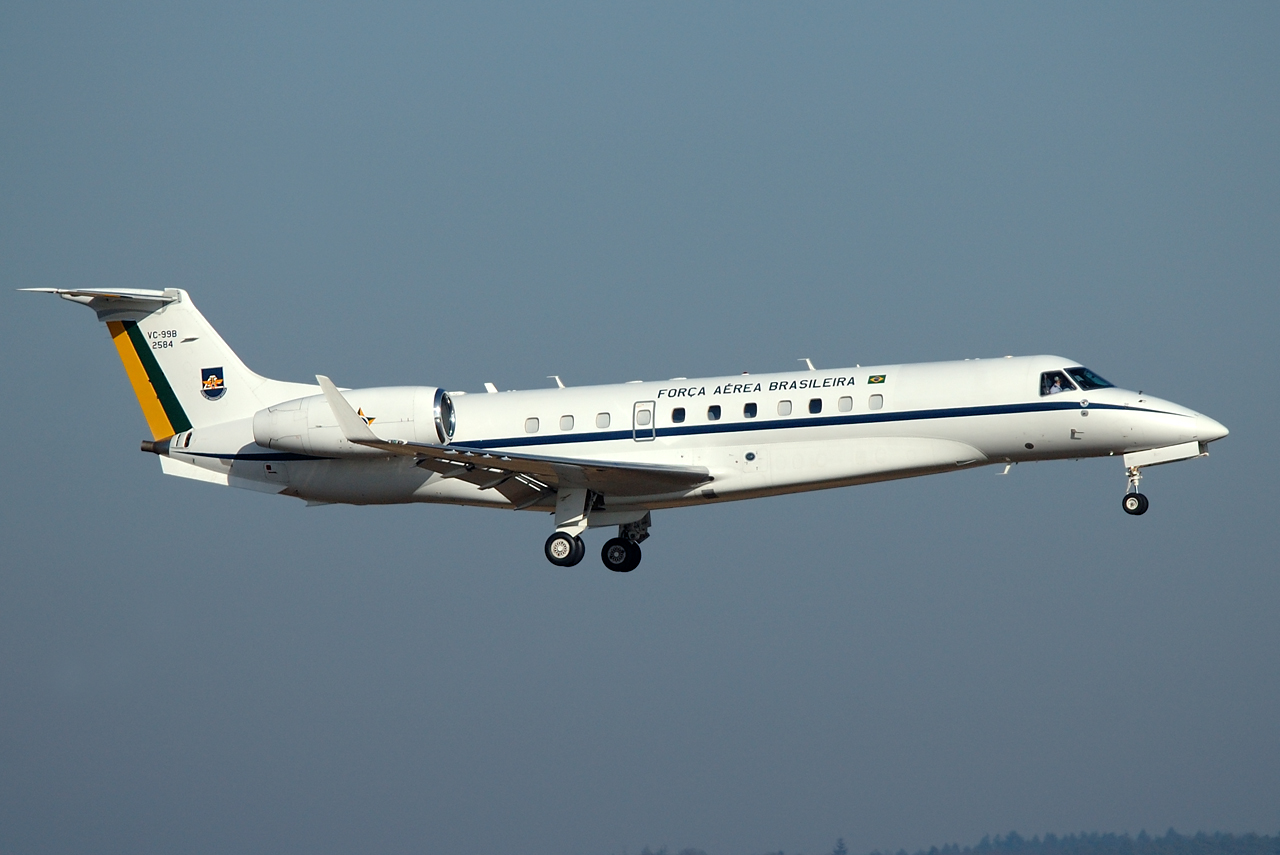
[1170, 843]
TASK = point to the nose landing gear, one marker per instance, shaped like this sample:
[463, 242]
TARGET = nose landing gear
[1134, 502]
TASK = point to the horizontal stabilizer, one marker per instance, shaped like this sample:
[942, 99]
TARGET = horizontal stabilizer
[84, 295]
[181, 371]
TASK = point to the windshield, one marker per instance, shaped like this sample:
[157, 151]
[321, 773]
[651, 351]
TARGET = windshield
[1087, 379]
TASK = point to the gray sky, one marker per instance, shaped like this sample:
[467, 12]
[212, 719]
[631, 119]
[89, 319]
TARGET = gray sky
[610, 192]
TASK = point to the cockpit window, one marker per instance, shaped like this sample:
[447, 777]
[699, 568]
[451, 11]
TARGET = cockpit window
[1087, 379]
[1053, 382]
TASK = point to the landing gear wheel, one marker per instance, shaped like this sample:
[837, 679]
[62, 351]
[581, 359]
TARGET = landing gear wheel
[620, 555]
[1135, 504]
[564, 550]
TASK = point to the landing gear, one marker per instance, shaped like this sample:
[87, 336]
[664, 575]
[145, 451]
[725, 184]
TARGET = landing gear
[564, 550]
[620, 555]
[1134, 502]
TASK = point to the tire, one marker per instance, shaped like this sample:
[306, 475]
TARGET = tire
[563, 550]
[1135, 504]
[620, 555]
[616, 555]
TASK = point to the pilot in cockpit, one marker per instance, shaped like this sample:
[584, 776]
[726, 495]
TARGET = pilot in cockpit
[1053, 382]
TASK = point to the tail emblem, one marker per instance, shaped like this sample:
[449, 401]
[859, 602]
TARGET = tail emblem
[211, 383]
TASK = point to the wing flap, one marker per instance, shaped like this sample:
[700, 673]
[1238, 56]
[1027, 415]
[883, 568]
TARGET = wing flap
[480, 467]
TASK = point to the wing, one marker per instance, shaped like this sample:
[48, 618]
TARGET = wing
[495, 469]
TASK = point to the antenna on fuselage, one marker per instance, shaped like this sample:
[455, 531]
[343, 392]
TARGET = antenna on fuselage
[556, 377]
[807, 361]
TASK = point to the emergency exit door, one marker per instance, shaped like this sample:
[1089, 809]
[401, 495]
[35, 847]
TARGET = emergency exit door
[644, 421]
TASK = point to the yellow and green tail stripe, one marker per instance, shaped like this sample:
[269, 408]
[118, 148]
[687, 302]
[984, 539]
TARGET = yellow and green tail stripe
[160, 406]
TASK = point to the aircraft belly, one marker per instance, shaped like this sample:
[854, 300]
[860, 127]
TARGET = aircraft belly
[380, 482]
[241, 474]
[866, 459]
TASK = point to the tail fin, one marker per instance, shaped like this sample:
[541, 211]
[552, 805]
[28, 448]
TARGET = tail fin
[184, 374]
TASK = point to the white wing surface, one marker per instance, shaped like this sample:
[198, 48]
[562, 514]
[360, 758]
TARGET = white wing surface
[493, 469]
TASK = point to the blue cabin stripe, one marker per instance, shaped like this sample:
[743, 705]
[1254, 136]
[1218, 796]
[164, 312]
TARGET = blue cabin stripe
[788, 423]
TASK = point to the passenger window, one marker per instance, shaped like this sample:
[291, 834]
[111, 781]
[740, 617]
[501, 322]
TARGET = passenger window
[713, 413]
[748, 411]
[643, 417]
[815, 405]
[845, 404]
[602, 420]
[784, 408]
[875, 402]
[566, 423]
[530, 425]
[677, 415]
[1053, 382]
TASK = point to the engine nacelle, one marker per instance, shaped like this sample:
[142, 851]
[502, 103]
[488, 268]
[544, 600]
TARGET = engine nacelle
[308, 426]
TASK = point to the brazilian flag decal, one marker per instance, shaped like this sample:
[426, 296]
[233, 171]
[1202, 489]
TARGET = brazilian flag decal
[160, 406]
[876, 378]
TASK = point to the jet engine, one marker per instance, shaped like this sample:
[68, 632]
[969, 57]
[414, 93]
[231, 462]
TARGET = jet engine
[308, 425]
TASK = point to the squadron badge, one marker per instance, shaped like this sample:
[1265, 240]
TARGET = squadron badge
[211, 383]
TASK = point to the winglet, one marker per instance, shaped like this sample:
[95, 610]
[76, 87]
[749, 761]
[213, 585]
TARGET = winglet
[353, 427]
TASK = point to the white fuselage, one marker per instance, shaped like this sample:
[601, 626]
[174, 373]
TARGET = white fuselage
[870, 423]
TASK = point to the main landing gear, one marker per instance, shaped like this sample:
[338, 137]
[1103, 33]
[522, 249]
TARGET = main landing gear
[620, 554]
[1134, 502]
[564, 549]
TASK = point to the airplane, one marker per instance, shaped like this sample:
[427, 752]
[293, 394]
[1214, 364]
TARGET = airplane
[597, 456]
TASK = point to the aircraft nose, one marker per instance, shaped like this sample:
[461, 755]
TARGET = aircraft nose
[1207, 430]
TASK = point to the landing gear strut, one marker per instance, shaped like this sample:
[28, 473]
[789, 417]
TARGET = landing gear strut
[1134, 502]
